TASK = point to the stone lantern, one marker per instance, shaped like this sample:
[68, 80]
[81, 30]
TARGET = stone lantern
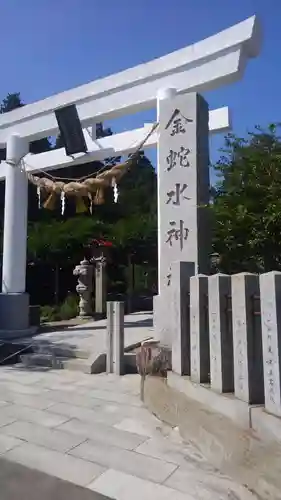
[215, 262]
[84, 288]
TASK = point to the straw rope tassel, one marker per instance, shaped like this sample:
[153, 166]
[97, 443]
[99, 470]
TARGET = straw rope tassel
[99, 196]
[80, 205]
[50, 203]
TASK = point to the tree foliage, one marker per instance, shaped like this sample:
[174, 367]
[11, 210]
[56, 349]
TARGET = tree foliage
[138, 188]
[247, 202]
[12, 102]
[62, 241]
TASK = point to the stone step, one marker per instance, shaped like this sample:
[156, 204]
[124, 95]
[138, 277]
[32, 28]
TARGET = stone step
[60, 363]
[60, 350]
[47, 360]
[84, 365]
[95, 364]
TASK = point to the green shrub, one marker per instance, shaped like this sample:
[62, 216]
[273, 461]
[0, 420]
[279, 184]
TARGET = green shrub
[69, 308]
[48, 313]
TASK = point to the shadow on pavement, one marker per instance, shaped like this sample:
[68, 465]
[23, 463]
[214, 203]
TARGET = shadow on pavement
[144, 323]
[20, 482]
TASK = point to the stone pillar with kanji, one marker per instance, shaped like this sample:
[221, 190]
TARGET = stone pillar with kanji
[100, 286]
[100, 255]
[183, 196]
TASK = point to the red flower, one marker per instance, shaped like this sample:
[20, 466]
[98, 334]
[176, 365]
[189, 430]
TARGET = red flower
[101, 243]
[106, 243]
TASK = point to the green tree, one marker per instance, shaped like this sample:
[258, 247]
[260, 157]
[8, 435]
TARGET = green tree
[10, 103]
[138, 188]
[247, 202]
[63, 240]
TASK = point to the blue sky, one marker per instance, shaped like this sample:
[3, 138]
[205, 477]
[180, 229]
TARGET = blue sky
[50, 46]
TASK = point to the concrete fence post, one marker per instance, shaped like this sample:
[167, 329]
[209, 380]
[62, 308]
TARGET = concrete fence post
[199, 329]
[247, 342]
[220, 328]
[270, 297]
[179, 316]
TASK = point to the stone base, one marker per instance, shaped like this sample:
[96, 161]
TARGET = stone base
[86, 317]
[161, 320]
[17, 335]
[14, 311]
[99, 315]
[34, 316]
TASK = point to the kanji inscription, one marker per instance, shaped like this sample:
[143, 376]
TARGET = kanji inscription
[177, 127]
[169, 276]
[176, 124]
[176, 195]
[269, 354]
[178, 158]
[177, 233]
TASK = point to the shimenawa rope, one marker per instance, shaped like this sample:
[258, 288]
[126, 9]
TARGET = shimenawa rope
[91, 186]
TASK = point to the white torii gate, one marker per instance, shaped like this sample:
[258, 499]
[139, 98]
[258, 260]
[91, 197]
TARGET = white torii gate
[215, 61]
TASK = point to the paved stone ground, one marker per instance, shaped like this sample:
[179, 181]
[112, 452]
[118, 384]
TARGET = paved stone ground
[93, 431]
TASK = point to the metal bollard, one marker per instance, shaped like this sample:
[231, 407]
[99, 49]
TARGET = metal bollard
[115, 338]
[118, 338]
[109, 337]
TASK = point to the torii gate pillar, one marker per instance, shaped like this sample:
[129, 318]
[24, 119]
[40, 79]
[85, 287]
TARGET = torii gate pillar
[14, 302]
